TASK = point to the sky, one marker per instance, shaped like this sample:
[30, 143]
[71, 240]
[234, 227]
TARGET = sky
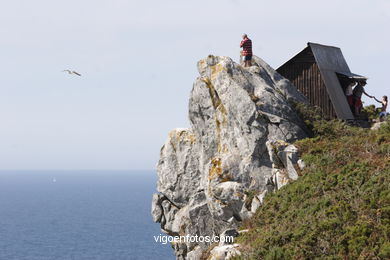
[138, 64]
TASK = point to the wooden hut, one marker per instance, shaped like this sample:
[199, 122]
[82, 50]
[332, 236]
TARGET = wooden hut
[321, 73]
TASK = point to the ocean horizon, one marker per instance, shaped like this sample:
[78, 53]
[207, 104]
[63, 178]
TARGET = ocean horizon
[78, 214]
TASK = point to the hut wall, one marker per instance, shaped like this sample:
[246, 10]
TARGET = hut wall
[306, 76]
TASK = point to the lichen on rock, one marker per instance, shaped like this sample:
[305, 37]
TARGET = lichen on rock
[238, 144]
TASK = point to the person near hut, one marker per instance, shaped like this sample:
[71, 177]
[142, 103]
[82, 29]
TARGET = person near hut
[246, 45]
[358, 91]
[349, 94]
[383, 112]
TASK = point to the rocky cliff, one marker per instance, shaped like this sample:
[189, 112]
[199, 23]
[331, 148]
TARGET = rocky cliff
[215, 174]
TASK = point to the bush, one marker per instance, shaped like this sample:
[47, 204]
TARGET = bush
[277, 253]
[308, 113]
[339, 207]
[371, 112]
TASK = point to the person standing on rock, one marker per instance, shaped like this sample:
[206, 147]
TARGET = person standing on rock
[246, 45]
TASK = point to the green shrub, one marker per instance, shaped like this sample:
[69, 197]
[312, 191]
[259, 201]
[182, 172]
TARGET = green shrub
[338, 209]
[277, 253]
[370, 112]
[384, 251]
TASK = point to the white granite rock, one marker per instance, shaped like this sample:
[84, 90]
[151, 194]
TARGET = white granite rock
[241, 125]
[224, 252]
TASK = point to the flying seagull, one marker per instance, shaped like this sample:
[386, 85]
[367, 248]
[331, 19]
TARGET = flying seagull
[72, 72]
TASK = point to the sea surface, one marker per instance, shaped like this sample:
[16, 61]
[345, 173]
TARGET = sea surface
[78, 215]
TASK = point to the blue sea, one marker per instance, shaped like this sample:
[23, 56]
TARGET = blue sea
[78, 215]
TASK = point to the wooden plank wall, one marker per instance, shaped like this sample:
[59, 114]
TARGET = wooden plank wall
[307, 78]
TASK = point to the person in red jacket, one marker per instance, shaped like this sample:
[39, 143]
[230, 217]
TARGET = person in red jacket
[246, 45]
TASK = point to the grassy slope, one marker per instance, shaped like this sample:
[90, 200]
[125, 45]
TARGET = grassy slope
[338, 209]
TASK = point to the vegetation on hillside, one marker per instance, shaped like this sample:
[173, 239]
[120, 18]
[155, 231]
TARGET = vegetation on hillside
[339, 208]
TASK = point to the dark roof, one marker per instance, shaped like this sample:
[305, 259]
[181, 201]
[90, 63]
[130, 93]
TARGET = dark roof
[305, 55]
[330, 59]
[352, 75]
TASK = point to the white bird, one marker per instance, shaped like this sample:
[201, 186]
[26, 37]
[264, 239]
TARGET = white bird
[72, 72]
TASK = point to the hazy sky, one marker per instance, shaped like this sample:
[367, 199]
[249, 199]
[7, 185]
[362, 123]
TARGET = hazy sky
[138, 60]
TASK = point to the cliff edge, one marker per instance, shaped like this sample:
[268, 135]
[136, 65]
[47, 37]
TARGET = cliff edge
[214, 175]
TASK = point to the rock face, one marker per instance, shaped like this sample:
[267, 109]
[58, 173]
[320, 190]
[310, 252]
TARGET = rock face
[215, 174]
